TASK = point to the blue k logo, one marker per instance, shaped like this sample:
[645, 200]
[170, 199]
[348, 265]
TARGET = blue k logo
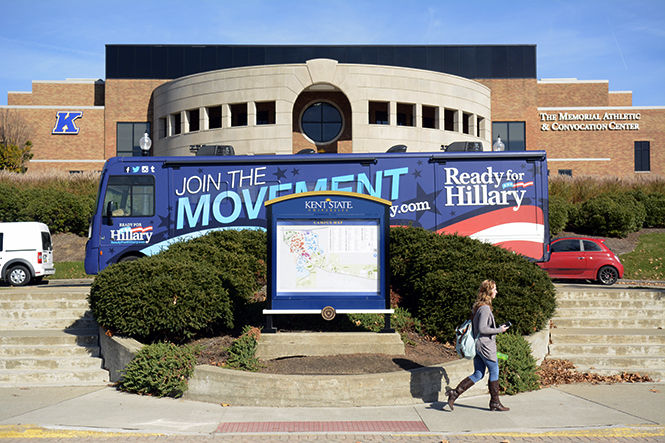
[64, 123]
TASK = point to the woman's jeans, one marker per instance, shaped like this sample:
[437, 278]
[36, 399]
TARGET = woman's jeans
[479, 365]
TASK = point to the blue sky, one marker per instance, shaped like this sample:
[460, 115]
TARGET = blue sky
[619, 41]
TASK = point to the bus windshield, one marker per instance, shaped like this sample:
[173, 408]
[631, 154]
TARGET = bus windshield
[130, 196]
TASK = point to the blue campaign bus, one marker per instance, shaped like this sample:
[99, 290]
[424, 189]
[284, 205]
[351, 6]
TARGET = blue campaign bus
[146, 203]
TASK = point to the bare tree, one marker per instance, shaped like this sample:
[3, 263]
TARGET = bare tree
[14, 144]
[14, 129]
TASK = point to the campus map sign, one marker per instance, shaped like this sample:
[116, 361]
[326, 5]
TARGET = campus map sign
[328, 249]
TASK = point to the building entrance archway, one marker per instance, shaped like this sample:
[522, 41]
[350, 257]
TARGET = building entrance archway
[322, 120]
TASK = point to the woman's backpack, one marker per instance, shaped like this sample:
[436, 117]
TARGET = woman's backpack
[465, 341]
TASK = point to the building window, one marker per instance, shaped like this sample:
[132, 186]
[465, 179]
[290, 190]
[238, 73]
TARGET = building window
[193, 120]
[430, 117]
[378, 113]
[568, 172]
[405, 114]
[176, 123]
[265, 113]
[642, 156]
[214, 117]
[322, 122]
[449, 117]
[162, 127]
[466, 123]
[239, 114]
[127, 138]
[480, 127]
[512, 135]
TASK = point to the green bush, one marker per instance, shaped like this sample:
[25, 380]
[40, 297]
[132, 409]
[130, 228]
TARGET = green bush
[59, 210]
[558, 214]
[242, 353]
[160, 369]
[613, 215]
[11, 202]
[64, 202]
[518, 372]
[437, 277]
[239, 260]
[157, 298]
[654, 204]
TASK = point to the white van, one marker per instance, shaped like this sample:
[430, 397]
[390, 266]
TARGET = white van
[26, 252]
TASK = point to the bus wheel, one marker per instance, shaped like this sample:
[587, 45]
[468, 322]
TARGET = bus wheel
[128, 258]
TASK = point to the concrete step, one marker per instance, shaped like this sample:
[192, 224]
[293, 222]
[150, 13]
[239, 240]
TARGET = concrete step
[53, 377]
[42, 313]
[31, 362]
[611, 313]
[615, 362]
[603, 303]
[633, 323]
[57, 321]
[49, 337]
[50, 351]
[611, 350]
[609, 336]
[19, 305]
[594, 292]
[285, 344]
[19, 294]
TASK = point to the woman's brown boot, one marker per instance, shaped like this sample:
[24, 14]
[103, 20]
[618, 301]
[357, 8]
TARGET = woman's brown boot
[459, 390]
[495, 404]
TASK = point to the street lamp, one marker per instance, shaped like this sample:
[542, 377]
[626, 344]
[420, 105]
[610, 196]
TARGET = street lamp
[498, 145]
[145, 143]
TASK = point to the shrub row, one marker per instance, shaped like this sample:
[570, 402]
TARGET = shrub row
[614, 214]
[620, 206]
[65, 204]
[197, 287]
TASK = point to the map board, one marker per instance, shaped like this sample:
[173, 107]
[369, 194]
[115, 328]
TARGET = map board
[340, 257]
[328, 249]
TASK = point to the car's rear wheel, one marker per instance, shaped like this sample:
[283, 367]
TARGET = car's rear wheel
[608, 275]
[18, 275]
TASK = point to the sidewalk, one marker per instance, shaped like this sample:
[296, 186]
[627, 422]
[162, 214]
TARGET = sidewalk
[563, 413]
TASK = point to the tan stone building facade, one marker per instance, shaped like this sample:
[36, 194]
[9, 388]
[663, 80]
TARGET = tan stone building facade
[364, 99]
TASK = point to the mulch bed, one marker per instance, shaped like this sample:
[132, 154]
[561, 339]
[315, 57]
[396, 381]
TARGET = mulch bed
[420, 352]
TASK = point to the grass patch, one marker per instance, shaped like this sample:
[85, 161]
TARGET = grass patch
[646, 262]
[68, 269]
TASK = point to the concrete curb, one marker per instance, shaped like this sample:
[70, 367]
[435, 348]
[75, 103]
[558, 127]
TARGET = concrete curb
[117, 352]
[239, 388]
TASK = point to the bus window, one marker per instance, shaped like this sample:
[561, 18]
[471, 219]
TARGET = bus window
[130, 196]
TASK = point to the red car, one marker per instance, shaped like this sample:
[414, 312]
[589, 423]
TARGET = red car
[582, 258]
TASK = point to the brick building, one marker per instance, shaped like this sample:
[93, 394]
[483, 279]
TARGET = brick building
[282, 99]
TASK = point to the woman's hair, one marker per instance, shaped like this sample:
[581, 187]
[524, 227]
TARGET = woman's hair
[484, 295]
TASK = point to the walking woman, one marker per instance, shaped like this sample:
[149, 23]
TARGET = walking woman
[486, 330]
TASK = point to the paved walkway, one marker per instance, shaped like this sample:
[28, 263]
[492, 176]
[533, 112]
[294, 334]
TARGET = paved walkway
[582, 412]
